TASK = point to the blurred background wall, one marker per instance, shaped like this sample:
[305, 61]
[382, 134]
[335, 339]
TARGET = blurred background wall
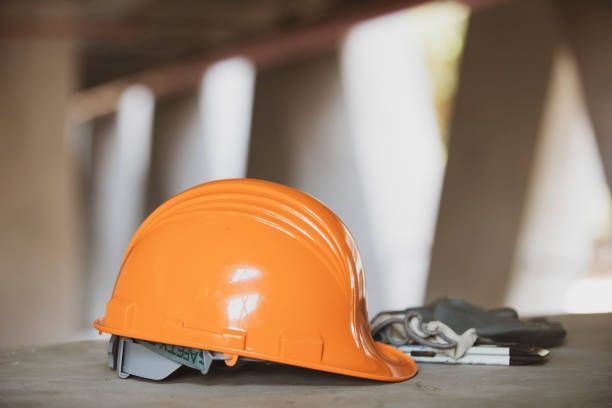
[467, 145]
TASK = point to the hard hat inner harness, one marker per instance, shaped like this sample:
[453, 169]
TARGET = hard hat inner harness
[156, 361]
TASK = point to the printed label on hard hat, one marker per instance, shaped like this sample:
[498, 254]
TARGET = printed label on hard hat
[188, 356]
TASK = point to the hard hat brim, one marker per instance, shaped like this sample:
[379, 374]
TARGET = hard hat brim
[397, 365]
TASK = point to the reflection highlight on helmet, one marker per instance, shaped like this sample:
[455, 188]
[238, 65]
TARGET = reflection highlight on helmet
[244, 273]
[243, 304]
[240, 306]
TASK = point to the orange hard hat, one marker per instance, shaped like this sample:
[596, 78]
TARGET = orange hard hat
[252, 269]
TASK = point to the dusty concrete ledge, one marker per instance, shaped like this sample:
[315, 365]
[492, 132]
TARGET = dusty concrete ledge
[75, 374]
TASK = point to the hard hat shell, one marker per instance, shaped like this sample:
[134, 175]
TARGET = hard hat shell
[251, 269]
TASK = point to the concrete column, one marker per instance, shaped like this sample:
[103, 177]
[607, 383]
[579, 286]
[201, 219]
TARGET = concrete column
[226, 100]
[301, 138]
[121, 160]
[498, 109]
[204, 135]
[178, 148]
[399, 151]
[40, 281]
[338, 129]
[567, 202]
[588, 26]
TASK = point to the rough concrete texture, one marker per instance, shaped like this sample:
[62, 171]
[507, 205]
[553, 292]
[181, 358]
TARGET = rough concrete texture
[39, 242]
[506, 63]
[578, 374]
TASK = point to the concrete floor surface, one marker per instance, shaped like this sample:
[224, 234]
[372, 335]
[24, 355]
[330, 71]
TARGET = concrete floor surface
[75, 375]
